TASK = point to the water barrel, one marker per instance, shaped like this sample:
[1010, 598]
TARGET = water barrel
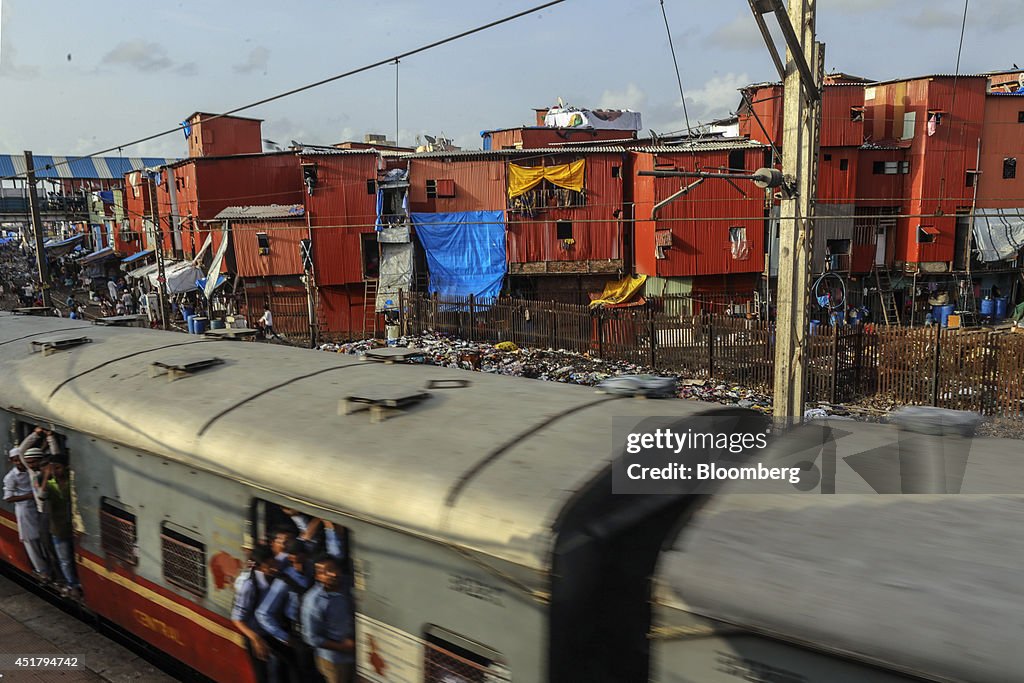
[988, 307]
[190, 322]
[942, 313]
[1001, 304]
[814, 326]
[186, 311]
[217, 325]
[199, 324]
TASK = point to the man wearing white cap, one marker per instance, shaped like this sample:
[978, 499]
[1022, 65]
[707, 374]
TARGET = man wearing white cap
[18, 490]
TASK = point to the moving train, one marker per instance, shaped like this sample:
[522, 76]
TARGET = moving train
[486, 542]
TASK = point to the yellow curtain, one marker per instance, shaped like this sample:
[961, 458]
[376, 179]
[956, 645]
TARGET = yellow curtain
[620, 291]
[522, 178]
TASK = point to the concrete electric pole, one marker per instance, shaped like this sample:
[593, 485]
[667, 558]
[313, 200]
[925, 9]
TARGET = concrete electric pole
[37, 229]
[802, 78]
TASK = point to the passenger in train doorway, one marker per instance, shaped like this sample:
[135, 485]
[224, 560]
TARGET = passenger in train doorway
[58, 491]
[25, 460]
[251, 587]
[328, 623]
[278, 613]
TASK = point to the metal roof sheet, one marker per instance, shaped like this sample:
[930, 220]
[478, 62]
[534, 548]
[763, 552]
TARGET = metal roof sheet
[88, 168]
[506, 509]
[262, 211]
[699, 147]
[497, 153]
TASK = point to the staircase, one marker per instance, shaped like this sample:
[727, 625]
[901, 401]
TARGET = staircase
[967, 304]
[369, 308]
[887, 300]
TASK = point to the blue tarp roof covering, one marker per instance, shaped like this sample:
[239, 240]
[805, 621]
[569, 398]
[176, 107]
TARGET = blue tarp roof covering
[465, 251]
[136, 257]
[97, 256]
[153, 162]
[201, 282]
[82, 168]
[7, 166]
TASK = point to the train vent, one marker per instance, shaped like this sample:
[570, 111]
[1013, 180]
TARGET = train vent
[395, 355]
[383, 401]
[50, 346]
[118, 535]
[184, 559]
[178, 369]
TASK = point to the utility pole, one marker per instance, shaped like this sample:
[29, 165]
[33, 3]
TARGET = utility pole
[37, 229]
[161, 290]
[802, 78]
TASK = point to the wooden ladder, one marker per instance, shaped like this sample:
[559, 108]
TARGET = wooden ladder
[886, 298]
[369, 308]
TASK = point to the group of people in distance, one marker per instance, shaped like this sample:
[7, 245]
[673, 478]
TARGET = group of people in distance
[40, 486]
[294, 604]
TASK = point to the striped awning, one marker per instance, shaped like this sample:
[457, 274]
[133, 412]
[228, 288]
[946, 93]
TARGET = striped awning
[92, 168]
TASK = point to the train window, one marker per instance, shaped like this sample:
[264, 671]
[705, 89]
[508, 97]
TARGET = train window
[184, 559]
[450, 658]
[118, 534]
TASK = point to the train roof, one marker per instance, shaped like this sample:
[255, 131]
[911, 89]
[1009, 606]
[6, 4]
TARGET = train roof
[487, 467]
[923, 584]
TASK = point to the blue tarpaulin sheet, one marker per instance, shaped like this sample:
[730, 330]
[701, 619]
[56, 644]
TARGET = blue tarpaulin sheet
[465, 251]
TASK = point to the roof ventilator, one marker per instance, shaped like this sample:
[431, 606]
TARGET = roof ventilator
[178, 369]
[395, 355]
[382, 401]
[50, 346]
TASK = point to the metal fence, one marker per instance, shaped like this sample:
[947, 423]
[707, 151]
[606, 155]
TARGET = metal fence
[970, 370]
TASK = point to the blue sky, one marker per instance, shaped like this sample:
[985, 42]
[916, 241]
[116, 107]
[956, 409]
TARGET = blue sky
[77, 77]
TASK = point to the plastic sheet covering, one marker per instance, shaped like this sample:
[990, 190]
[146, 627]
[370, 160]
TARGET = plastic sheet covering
[210, 282]
[998, 233]
[181, 277]
[465, 251]
[397, 233]
[523, 178]
[396, 265]
[620, 291]
[614, 119]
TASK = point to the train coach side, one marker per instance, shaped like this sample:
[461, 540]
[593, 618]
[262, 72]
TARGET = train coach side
[483, 530]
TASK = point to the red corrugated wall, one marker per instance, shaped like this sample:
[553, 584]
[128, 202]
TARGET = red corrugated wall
[837, 127]
[284, 257]
[479, 184]
[596, 226]
[837, 185]
[644, 252]
[1002, 138]
[136, 206]
[767, 101]
[700, 220]
[340, 210]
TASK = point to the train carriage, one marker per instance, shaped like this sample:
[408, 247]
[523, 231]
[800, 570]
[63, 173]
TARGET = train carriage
[485, 539]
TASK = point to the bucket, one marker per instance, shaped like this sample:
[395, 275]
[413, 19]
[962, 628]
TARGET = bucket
[190, 322]
[199, 324]
[1001, 303]
[217, 325]
[988, 307]
[814, 326]
[942, 313]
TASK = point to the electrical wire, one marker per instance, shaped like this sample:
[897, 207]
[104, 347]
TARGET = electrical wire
[316, 84]
[952, 105]
[675, 63]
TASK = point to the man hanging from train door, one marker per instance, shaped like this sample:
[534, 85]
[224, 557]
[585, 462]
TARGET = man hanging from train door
[18, 490]
[251, 588]
[58, 490]
[328, 623]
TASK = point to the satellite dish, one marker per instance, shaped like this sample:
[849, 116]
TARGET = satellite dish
[1020, 80]
[430, 138]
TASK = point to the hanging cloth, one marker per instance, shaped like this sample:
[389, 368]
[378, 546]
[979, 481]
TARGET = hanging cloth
[524, 178]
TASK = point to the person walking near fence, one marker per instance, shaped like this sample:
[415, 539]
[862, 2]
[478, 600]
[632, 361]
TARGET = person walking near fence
[267, 322]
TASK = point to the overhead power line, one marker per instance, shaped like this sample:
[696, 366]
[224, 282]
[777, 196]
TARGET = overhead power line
[294, 91]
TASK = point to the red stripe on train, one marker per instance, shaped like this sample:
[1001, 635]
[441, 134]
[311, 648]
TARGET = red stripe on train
[160, 617]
